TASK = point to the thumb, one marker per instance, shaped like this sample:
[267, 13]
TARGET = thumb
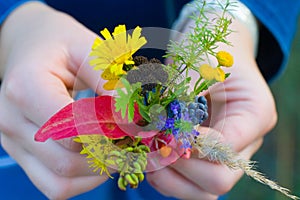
[79, 52]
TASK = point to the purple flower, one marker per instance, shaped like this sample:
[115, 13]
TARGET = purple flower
[170, 123]
[175, 107]
[174, 110]
[186, 138]
[186, 144]
[195, 133]
[179, 123]
[160, 124]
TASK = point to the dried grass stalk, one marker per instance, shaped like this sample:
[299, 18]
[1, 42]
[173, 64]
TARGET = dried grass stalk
[209, 147]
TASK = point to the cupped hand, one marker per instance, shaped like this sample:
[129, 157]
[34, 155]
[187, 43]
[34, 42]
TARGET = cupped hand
[41, 53]
[242, 111]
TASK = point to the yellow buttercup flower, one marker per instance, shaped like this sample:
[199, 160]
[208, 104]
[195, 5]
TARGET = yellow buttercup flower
[112, 80]
[116, 50]
[209, 73]
[224, 58]
[219, 75]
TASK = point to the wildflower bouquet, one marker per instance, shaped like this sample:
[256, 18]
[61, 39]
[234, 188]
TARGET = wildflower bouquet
[154, 117]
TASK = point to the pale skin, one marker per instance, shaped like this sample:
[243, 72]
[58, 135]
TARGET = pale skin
[41, 51]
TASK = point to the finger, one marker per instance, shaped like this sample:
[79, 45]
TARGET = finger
[79, 60]
[242, 115]
[170, 183]
[44, 90]
[51, 184]
[212, 177]
[65, 161]
[59, 159]
[92, 78]
[37, 107]
[242, 128]
[56, 157]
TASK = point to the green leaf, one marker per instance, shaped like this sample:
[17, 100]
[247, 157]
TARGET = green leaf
[130, 110]
[121, 102]
[126, 99]
[182, 87]
[143, 110]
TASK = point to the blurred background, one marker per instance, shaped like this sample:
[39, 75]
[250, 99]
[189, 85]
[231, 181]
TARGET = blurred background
[279, 157]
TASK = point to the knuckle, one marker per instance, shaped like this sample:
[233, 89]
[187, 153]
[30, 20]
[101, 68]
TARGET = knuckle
[10, 95]
[221, 188]
[222, 185]
[3, 124]
[266, 109]
[273, 116]
[65, 168]
[4, 143]
[12, 88]
[58, 193]
[5, 129]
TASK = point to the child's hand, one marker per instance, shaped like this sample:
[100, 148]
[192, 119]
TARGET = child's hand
[41, 52]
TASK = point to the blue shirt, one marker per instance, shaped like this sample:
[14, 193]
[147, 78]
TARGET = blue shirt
[278, 21]
[277, 28]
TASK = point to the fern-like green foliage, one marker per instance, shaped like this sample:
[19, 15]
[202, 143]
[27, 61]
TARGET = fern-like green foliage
[126, 98]
[194, 48]
[202, 40]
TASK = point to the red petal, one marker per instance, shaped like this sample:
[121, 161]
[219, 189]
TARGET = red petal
[88, 116]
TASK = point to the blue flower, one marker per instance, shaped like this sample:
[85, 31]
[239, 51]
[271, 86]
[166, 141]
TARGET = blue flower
[179, 123]
[170, 123]
[174, 110]
[187, 138]
[185, 143]
[160, 124]
[195, 133]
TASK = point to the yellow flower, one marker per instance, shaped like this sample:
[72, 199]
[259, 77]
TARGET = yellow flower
[224, 58]
[96, 148]
[219, 75]
[116, 50]
[113, 80]
[209, 73]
